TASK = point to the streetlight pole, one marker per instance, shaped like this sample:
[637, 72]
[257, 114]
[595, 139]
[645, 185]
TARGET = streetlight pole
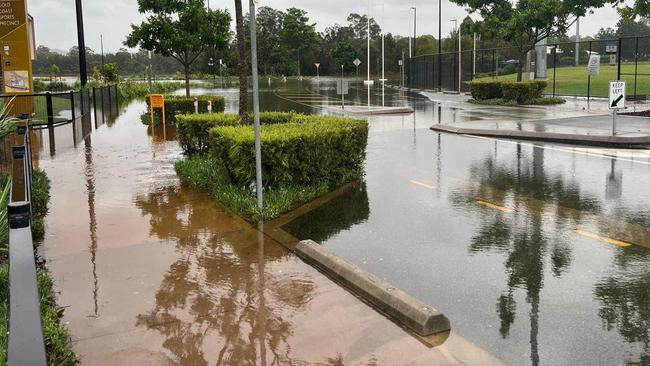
[149, 71]
[368, 81]
[440, 45]
[256, 109]
[101, 42]
[83, 72]
[415, 29]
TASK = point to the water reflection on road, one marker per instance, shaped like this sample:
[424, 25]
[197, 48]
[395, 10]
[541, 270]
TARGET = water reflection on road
[538, 253]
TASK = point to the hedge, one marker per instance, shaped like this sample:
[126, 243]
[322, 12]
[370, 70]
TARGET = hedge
[309, 150]
[181, 104]
[192, 130]
[521, 92]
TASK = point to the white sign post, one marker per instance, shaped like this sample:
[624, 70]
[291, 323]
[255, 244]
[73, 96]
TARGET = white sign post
[617, 96]
[594, 65]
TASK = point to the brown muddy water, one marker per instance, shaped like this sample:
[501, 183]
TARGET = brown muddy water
[152, 272]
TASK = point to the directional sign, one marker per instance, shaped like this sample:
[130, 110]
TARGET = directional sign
[357, 62]
[616, 94]
[611, 48]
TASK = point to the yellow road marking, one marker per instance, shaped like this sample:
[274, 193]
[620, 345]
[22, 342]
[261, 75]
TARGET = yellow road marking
[423, 184]
[619, 243]
[492, 205]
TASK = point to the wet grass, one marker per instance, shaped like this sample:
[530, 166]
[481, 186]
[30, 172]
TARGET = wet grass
[207, 173]
[55, 334]
[573, 80]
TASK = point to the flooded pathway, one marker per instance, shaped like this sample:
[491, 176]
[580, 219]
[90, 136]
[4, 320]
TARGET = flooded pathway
[151, 272]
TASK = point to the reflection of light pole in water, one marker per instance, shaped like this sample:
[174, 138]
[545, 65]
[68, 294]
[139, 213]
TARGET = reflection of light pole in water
[368, 81]
[90, 188]
[262, 315]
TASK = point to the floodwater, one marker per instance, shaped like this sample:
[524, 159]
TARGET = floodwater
[537, 254]
[152, 272]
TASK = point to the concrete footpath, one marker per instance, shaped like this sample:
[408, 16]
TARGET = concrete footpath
[572, 123]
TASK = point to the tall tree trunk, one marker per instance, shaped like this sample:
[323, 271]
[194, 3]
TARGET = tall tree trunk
[187, 79]
[243, 64]
[520, 66]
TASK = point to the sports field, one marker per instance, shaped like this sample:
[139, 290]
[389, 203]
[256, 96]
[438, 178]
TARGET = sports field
[574, 80]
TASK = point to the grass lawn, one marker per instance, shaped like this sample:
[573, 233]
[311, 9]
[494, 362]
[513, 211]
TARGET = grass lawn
[574, 80]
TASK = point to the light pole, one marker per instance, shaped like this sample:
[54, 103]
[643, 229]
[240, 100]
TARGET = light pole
[256, 109]
[460, 73]
[221, 72]
[101, 43]
[149, 71]
[440, 45]
[368, 81]
[83, 72]
[415, 29]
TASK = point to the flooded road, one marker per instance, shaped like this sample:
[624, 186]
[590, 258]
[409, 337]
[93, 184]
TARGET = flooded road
[151, 272]
[537, 254]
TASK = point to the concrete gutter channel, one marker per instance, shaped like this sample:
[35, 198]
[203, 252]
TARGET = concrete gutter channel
[590, 140]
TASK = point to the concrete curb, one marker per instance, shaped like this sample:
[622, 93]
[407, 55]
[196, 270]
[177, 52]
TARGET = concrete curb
[592, 140]
[407, 310]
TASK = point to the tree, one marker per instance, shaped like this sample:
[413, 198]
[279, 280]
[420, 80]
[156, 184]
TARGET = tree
[242, 64]
[525, 23]
[181, 29]
[55, 71]
[111, 74]
[272, 52]
[299, 36]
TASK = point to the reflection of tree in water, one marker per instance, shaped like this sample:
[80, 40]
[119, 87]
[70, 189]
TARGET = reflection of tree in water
[521, 238]
[341, 213]
[219, 288]
[625, 298]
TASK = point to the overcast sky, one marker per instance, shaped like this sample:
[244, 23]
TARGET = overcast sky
[56, 26]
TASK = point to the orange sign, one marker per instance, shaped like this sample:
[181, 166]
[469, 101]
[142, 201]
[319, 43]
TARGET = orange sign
[157, 101]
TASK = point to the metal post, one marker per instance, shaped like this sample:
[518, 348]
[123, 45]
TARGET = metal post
[342, 91]
[636, 65]
[95, 104]
[494, 62]
[82, 45]
[368, 56]
[415, 30]
[440, 45]
[577, 50]
[256, 109]
[474, 58]
[589, 80]
[460, 58]
[72, 105]
[50, 109]
[614, 112]
[620, 56]
[101, 42]
[554, 67]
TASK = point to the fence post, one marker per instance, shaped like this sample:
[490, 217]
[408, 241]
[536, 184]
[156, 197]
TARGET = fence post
[589, 79]
[636, 65]
[50, 109]
[620, 56]
[110, 103]
[72, 105]
[554, 67]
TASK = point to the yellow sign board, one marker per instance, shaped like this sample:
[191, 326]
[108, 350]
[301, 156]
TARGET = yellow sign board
[16, 51]
[157, 101]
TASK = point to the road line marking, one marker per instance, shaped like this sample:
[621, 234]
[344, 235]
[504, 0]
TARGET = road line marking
[492, 205]
[423, 184]
[619, 243]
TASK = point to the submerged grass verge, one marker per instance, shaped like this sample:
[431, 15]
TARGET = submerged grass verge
[208, 173]
[55, 334]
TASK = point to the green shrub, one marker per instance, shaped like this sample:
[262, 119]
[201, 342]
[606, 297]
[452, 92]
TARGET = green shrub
[482, 90]
[207, 173]
[184, 105]
[192, 130]
[309, 150]
[522, 92]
